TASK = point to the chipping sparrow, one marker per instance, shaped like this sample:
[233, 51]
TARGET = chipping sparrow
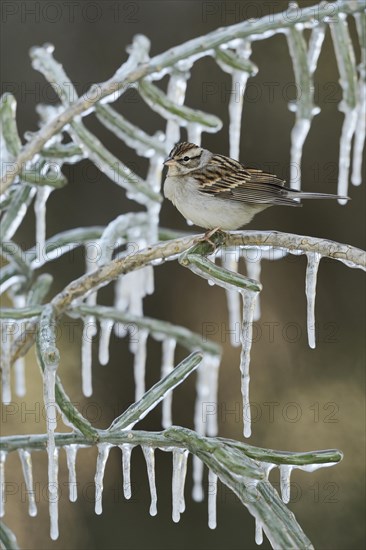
[214, 191]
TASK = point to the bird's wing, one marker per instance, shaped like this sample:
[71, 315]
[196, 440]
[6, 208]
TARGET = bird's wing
[242, 184]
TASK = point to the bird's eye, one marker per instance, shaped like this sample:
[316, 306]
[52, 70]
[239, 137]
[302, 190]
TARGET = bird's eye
[186, 159]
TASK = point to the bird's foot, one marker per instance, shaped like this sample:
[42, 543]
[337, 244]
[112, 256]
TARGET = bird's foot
[207, 236]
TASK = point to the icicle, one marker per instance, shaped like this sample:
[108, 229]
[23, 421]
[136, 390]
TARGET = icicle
[360, 132]
[8, 330]
[153, 179]
[313, 467]
[285, 477]
[348, 130]
[230, 261]
[19, 301]
[40, 214]
[53, 487]
[348, 80]
[298, 135]
[106, 326]
[176, 92]
[26, 461]
[148, 272]
[130, 289]
[304, 62]
[254, 272]
[212, 364]
[49, 377]
[258, 532]
[153, 209]
[86, 357]
[239, 78]
[310, 290]
[202, 398]
[205, 413]
[113, 235]
[239, 81]
[197, 491]
[103, 453]
[19, 377]
[249, 298]
[126, 469]
[121, 286]
[167, 365]
[139, 349]
[135, 289]
[178, 481]
[3, 455]
[150, 465]
[194, 133]
[90, 325]
[6, 339]
[71, 451]
[267, 469]
[212, 496]
[315, 45]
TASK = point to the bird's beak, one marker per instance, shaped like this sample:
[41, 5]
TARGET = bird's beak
[169, 162]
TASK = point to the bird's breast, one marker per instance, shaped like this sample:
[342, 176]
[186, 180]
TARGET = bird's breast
[176, 190]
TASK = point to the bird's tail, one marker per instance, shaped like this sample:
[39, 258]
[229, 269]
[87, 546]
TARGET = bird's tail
[304, 195]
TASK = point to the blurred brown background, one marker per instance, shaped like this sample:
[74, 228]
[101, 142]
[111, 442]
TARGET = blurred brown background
[322, 389]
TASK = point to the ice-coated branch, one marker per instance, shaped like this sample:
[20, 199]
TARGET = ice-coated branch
[289, 242]
[46, 346]
[349, 255]
[138, 410]
[132, 135]
[56, 246]
[16, 211]
[241, 467]
[219, 275]
[229, 59]
[286, 457]
[159, 439]
[9, 130]
[158, 101]
[182, 335]
[135, 69]
[51, 178]
[106, 162]
[39, 289]
[20, 312]
[117, 231]
[259, 496]
[68, 153]
[43, 61]
[14, 254]
[8, 540]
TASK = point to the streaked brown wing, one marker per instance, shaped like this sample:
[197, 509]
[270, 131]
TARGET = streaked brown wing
[242, 184]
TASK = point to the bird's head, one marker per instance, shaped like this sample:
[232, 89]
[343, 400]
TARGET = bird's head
[186, 157]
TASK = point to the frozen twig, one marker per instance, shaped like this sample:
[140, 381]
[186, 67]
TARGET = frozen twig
[135, 70]
[351, 256]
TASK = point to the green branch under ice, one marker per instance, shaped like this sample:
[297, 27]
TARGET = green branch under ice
[135, 70]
